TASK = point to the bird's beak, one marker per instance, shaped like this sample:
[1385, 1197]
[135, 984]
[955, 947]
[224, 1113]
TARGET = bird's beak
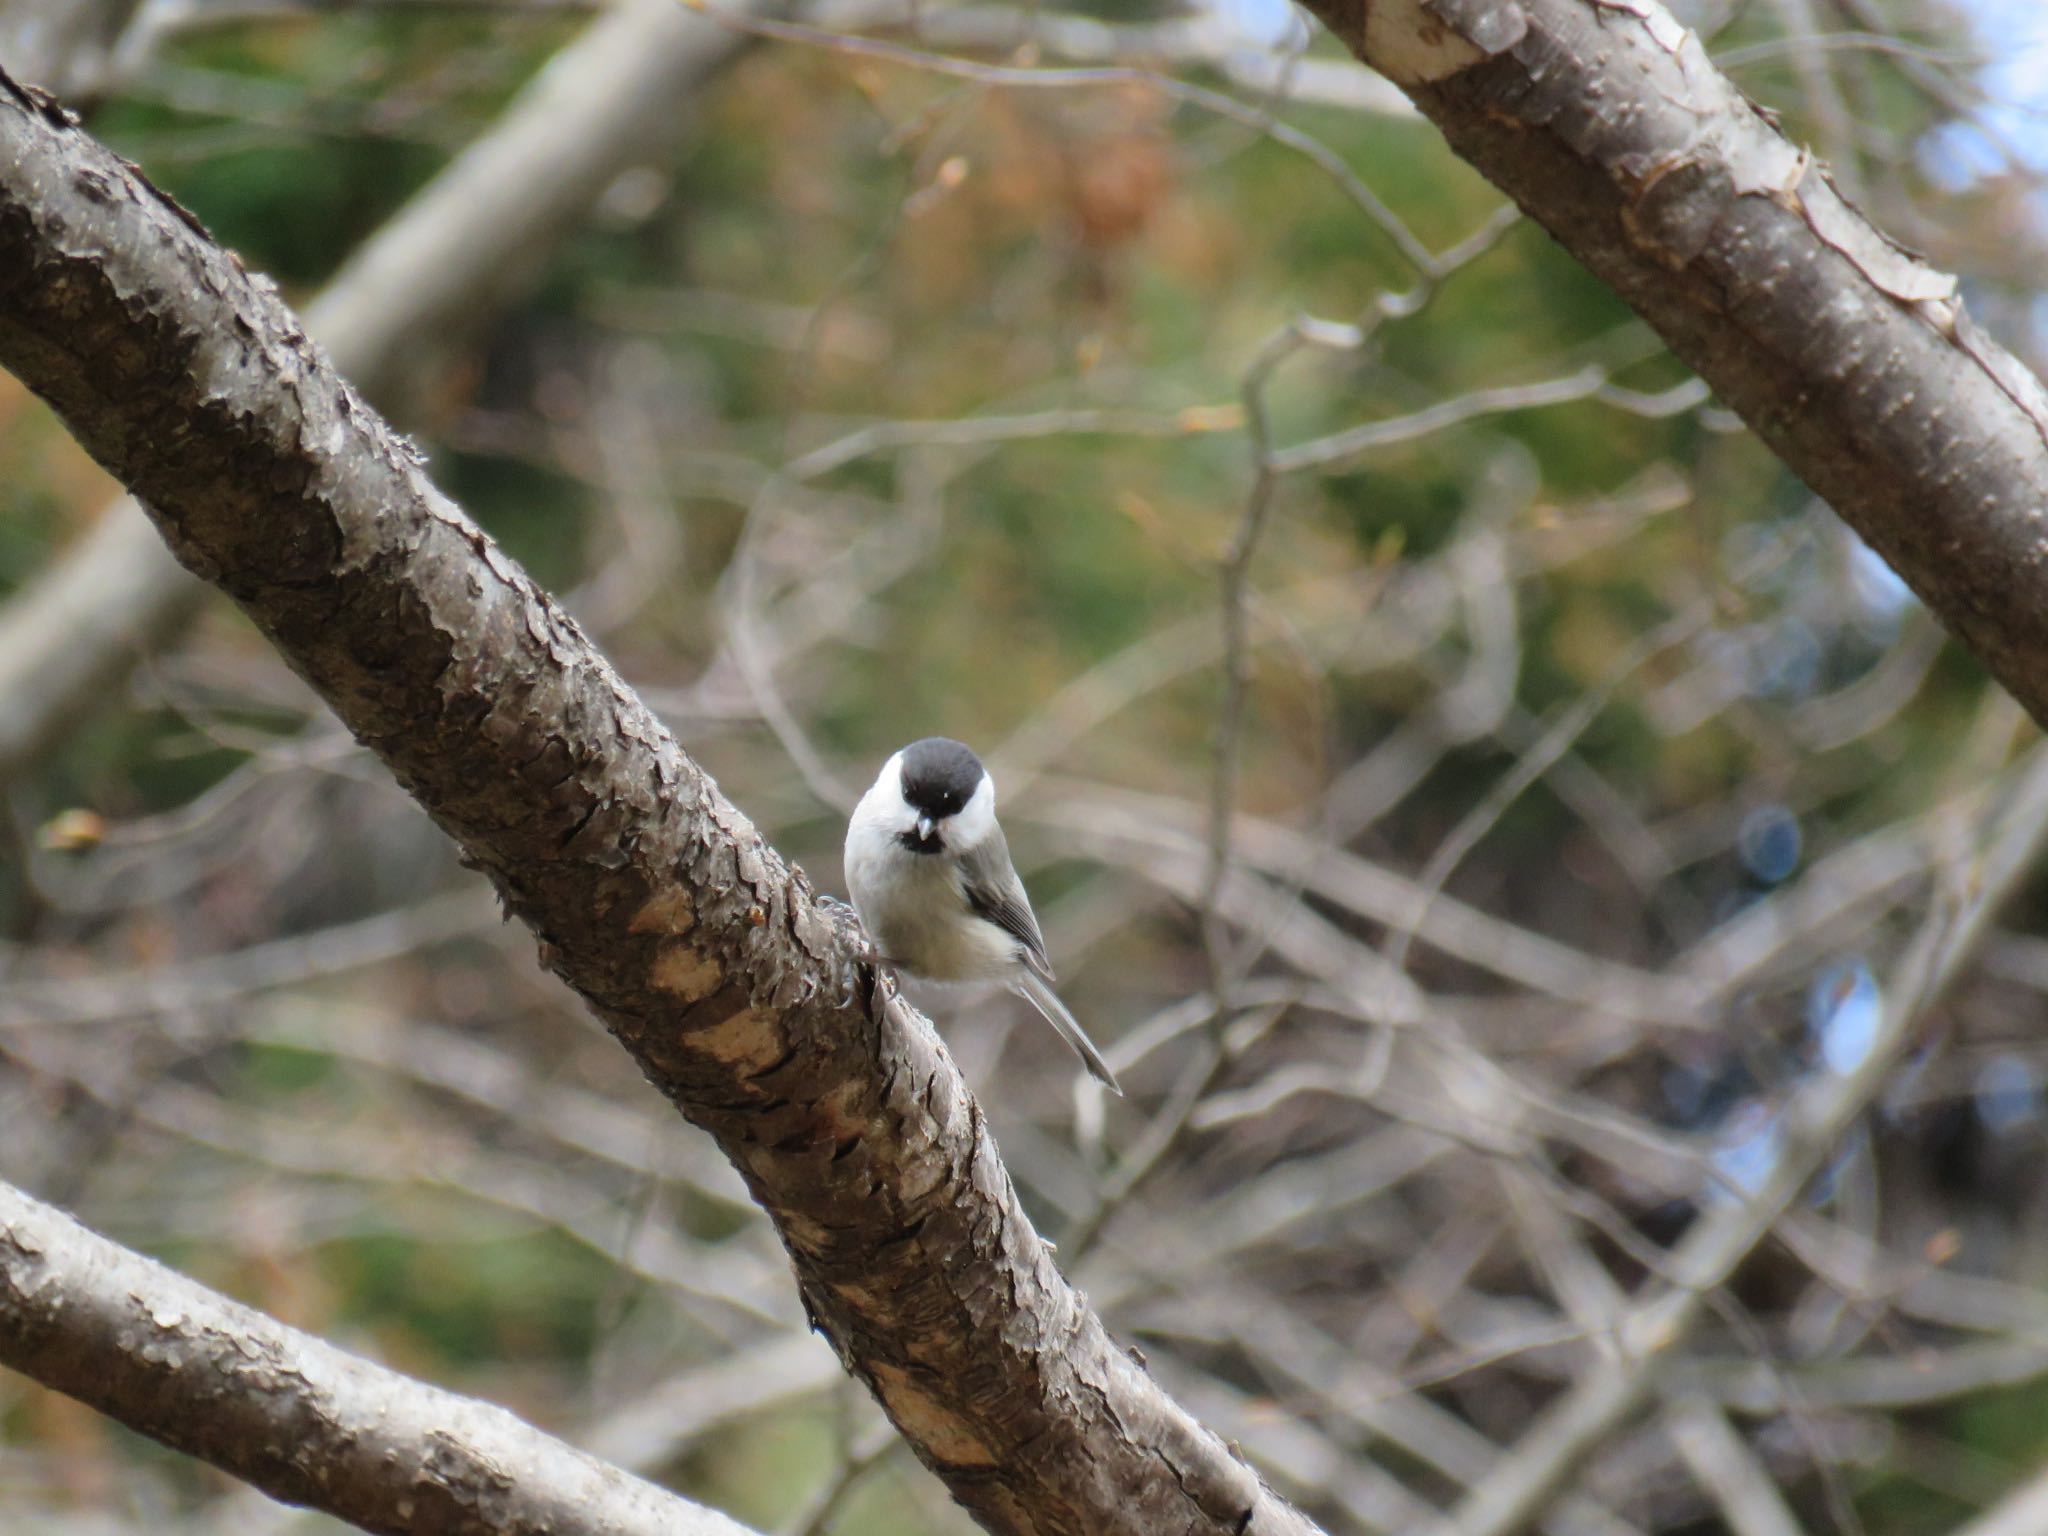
[924, 829]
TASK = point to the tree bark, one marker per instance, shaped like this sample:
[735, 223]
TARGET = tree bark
[1852, 358]
[300, 1419]
[611, 95]
[651, 895]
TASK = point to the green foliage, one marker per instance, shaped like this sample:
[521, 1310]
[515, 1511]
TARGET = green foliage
[495, 1300]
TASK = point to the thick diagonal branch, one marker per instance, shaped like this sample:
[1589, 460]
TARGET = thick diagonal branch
[1852, 358]
[300, 1419]
[609, 96]
[651, 894]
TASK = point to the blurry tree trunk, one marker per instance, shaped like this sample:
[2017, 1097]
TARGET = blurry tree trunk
[300, 1419]
[652, 895]
[1853, 359]
[607, 99]
[65, 46]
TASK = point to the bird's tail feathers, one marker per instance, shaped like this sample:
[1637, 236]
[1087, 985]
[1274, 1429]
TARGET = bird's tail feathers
[1042, 997]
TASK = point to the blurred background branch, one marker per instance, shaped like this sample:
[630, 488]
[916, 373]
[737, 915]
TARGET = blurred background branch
[413, 291]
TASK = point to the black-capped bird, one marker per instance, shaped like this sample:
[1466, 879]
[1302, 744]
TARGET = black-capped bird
[931, 877]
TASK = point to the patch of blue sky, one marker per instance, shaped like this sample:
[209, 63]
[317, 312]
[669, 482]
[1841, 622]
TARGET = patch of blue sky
[1744, 1153]
[1879, 593]
[1273, 24]
[1844, 1013]
[2008, 130]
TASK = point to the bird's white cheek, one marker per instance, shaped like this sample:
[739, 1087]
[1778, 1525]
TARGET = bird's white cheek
[977, 817]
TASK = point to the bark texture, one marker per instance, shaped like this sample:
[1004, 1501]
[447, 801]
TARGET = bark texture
[651, 895]
[1851, 357]
[612, 95]
[303, 1421]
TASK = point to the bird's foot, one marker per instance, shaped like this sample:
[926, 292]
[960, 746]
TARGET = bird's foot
[867, 957]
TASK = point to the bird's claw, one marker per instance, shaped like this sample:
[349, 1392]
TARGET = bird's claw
[866, 955]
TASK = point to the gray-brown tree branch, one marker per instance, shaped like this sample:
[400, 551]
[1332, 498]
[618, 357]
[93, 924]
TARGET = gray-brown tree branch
[1852, 358]
[298, 1418]
[651, 894]
[611, 95]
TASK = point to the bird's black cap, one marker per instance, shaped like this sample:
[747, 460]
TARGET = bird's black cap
[940, 775]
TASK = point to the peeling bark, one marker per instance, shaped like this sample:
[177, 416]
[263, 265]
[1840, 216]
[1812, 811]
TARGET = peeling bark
[1851, 357]
[651, 894]
[302, 1420]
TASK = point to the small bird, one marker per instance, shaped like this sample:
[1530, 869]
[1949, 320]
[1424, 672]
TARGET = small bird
[931, 878]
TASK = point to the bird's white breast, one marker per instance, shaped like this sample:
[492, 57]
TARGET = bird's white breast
[914, 905]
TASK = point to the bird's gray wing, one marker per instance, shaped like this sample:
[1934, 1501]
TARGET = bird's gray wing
[994, 892]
